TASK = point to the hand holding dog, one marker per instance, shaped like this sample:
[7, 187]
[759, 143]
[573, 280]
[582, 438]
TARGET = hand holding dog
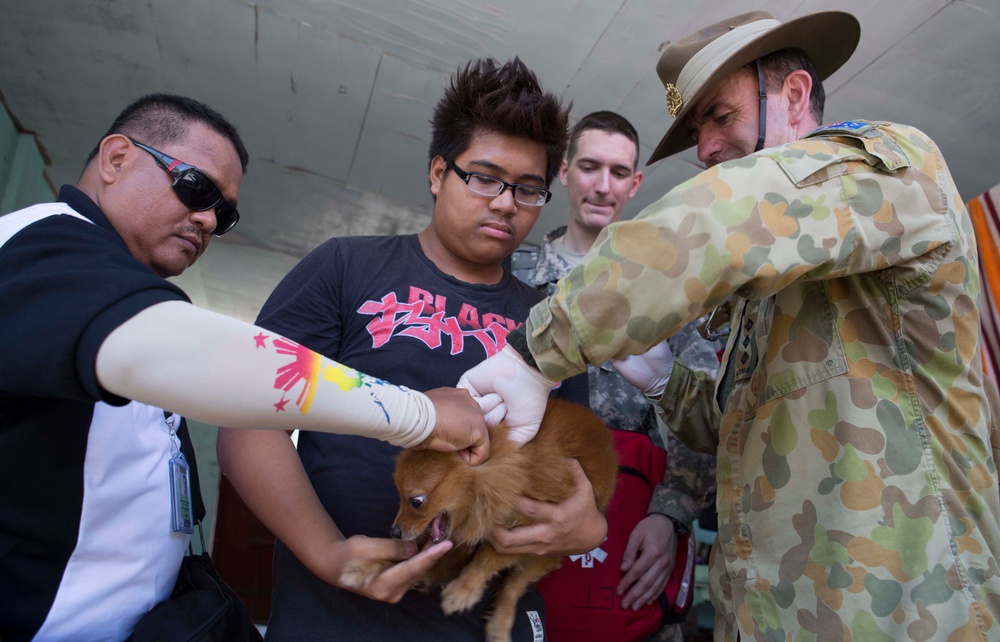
[568, 528]
[380, 569]
[647, 562]
[650, 371]
[460, 423]
[524, 390]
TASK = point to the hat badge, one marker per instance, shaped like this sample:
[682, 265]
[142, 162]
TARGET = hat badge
[674, 100]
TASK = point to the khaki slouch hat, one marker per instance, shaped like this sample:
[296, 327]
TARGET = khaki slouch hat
[692, 66]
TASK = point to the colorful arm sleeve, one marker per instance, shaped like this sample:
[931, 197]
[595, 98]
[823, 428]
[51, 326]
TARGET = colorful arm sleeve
[222, 371]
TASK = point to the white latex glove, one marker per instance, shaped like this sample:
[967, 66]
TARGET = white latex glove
[649, 371]
[525, 392]
[492, 405]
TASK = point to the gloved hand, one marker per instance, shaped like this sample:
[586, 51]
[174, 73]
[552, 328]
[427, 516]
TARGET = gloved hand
[492, 406]
[525, 391]
[649, 371]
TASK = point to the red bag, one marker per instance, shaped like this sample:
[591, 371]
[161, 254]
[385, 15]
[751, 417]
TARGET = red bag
[581, 603]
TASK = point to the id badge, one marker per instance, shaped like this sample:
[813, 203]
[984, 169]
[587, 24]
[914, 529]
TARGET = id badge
[180, 495]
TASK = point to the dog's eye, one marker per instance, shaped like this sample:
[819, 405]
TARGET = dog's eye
[417, 501]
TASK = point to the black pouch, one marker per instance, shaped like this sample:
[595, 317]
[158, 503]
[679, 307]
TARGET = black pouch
[202, 607]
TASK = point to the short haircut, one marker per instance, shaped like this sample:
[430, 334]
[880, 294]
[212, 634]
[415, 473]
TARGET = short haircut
[779, 64]
[157, 119]
[508, 100]
[605, 121]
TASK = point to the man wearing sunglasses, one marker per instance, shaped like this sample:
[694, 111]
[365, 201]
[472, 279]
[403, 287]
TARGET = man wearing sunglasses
[196, 190]
[419, 309]
[97, 350]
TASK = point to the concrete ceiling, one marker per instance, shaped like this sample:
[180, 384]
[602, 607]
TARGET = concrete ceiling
[333, 97]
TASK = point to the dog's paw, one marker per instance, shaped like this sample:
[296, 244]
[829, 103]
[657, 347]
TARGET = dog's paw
[498, 629]
[357, 575]
[461, 594]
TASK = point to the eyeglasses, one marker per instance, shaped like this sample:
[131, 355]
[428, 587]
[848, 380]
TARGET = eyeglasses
[196, 190]
[487, 185]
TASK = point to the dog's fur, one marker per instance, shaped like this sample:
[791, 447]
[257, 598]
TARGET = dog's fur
[442, 497]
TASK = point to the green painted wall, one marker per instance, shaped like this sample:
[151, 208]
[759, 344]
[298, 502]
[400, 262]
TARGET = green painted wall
[22, 178]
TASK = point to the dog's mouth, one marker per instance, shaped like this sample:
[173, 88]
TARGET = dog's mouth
[440, 527]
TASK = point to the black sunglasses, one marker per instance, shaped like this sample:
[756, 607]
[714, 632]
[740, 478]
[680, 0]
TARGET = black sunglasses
[195, 189]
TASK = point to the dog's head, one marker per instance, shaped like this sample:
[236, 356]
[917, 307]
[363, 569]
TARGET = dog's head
[435, 495]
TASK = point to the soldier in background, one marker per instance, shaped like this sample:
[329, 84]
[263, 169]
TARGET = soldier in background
[601, 175]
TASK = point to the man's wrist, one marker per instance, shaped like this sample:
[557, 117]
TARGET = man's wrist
[518, 340]
[679, 527]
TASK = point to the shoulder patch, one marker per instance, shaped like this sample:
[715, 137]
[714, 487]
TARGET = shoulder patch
[855, 127]
[879, 139]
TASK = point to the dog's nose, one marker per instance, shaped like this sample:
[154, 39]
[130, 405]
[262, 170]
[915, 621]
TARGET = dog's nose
[396, 532]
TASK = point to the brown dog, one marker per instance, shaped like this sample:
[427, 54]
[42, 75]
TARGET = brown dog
[442, 497]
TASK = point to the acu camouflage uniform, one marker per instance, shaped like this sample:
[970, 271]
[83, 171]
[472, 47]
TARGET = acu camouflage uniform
[857, 490]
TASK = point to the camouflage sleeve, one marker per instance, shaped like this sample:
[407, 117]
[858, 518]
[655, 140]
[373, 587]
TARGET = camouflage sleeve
[689, 482]
[689, 409]
[993, 401]
[688, 486]
[812, 209]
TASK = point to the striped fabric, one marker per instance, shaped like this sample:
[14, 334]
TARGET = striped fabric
[985, 219]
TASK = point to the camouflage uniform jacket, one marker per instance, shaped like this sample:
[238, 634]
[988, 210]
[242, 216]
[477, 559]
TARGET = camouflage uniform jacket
[857, 490]
[689, 483]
